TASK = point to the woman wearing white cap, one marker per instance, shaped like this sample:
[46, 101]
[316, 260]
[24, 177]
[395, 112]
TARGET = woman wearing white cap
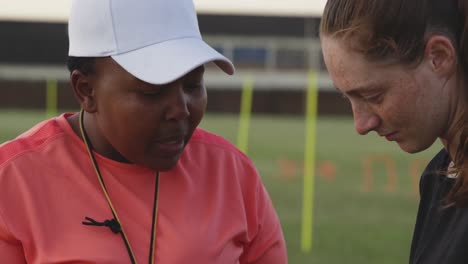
[131, 179]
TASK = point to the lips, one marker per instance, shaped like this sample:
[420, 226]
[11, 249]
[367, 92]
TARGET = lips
[391, 136]
[171, 145]
[170, 148]
[171, 139]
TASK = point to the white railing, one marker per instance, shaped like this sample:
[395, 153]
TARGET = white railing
[268, 75]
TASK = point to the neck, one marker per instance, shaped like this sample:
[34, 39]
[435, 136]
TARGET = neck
[456, 122]
[451, 146]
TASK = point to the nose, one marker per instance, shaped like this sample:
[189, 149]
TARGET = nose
[365, 119]
[177, 103]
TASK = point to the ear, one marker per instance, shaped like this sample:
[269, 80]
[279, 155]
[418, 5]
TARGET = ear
[441, 55]
[83, 90]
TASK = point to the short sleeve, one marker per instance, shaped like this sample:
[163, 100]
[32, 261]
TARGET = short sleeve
[267, 245]
[11, 250]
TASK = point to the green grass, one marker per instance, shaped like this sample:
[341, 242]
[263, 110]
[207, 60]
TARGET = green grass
[350, 225]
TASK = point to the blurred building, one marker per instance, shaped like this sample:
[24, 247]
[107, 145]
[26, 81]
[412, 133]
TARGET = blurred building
[274, 41]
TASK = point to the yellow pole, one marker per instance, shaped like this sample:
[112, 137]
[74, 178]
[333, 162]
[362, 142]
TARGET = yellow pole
[244, 119]
[309, 163]
[51, 98]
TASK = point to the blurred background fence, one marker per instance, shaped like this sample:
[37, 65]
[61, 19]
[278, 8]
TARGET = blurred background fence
[277, 49]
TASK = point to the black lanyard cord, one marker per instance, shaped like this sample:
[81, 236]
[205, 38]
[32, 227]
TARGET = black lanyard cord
[114, 224]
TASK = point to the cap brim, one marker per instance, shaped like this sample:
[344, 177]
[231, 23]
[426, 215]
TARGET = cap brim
[167, 61]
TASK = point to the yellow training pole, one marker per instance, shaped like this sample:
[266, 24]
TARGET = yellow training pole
[51, 98]
[244, 119]
[309, 163]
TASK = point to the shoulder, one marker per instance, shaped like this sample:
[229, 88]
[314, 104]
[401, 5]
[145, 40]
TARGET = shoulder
[31, 140]
[204, 137]
[208, 152]
[439, 161]
[431, 177]
[216, 144]
[438, 164]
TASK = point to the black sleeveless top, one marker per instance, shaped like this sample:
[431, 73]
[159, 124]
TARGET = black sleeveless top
[440, 235]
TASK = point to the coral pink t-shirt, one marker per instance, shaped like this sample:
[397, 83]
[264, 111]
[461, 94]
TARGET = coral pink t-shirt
[212, 207]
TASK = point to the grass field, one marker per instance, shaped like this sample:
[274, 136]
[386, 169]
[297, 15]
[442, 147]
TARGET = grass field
[352, 224]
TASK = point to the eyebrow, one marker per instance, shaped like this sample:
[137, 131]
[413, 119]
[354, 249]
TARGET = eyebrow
[358, 90]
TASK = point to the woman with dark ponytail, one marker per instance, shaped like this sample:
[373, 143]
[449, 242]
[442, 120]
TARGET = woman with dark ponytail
[403, 65]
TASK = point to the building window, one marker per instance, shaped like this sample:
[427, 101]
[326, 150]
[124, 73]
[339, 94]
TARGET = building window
[291, 59]
[250, 57]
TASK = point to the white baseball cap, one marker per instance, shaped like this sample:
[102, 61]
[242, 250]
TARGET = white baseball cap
[157, 41]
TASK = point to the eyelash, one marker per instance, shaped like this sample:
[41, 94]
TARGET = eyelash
[375, 98]
[189, 87]
[152, 93]
[193, 87]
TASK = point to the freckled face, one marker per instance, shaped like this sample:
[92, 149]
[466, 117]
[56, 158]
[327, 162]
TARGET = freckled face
[146, 124]
[402, 104]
